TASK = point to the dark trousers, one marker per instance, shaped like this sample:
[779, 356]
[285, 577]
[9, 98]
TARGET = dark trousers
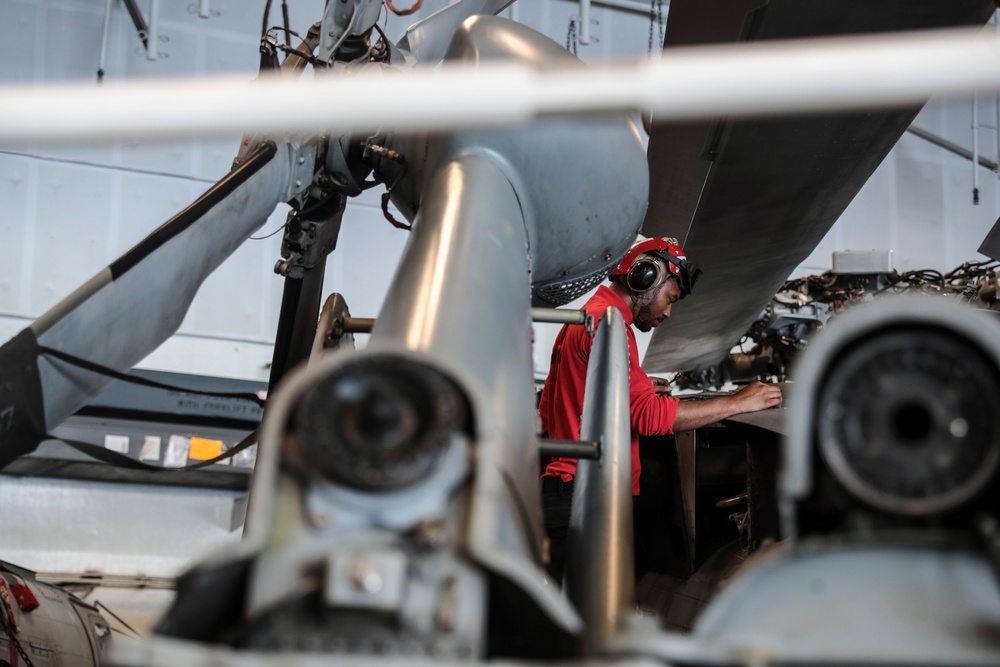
[557, 500]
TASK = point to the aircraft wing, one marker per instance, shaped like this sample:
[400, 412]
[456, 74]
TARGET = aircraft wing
[750, 199]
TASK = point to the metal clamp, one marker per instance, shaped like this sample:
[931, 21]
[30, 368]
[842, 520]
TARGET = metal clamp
[571, 449]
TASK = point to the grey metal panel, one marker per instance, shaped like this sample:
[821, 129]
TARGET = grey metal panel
[771, 188]
[68, 525]
[600, 572]
[896, 603]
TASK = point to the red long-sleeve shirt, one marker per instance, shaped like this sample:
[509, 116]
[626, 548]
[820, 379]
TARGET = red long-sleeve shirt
[561, 405]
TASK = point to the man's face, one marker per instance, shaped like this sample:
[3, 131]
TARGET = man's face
[657, 310]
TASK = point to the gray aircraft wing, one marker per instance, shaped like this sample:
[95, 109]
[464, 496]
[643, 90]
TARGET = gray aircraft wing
[750, 199]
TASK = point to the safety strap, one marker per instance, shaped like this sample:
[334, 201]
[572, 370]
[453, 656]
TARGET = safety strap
[22, 417]
[124, 377]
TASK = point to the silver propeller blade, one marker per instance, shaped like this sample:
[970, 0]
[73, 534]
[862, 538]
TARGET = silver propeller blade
[151, 286]
[750, 198]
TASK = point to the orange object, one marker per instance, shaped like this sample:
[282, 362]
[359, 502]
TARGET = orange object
[203, 449]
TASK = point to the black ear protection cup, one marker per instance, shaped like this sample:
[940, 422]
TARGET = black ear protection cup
[645, 274]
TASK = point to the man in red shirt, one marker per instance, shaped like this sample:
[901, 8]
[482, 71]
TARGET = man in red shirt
[653, 276]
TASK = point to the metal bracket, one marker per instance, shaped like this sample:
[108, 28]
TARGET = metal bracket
[343, 19]
[149, 33]
[308, 242]
[336, 326]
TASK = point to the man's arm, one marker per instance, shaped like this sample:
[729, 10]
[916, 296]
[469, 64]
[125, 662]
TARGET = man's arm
[749, 398]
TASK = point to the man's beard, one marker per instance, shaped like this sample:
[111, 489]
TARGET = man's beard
[641, 321]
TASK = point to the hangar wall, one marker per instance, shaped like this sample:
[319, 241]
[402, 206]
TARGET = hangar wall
[67, 211]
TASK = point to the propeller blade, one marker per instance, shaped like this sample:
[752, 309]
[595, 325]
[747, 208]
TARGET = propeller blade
[751, 198]
[428, 39]
[150, 287]
[991, 244]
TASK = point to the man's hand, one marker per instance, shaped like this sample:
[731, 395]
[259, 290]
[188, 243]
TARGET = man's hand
[757, 396]
[662, 386]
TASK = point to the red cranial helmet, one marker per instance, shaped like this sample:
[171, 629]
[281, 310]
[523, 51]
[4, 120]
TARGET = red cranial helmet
[650, 262]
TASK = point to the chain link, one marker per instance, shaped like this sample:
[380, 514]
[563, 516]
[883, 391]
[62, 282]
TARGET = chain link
[571, 41]
[655, 17]
[7, 620]
[20, 650]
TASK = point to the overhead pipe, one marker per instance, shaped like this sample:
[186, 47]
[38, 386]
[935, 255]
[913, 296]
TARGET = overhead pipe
[739, 81]
[585, 22]
[952, 147]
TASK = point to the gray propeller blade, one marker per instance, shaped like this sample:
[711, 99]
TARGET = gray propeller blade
[151, 287]
[991, 244]
[750, 199]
